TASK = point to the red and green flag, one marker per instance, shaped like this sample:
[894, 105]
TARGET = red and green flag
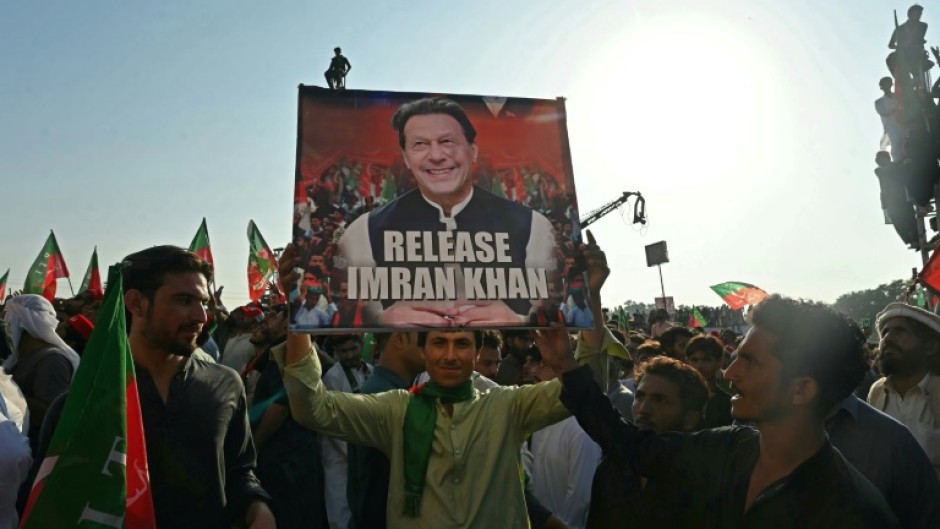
[739, 295]
[47, 268]
[262, 264]
[200, 245]
[697, 320]
[95, 471]
[92, 280]
[3, 285]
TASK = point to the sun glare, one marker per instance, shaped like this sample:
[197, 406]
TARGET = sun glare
[688, 94]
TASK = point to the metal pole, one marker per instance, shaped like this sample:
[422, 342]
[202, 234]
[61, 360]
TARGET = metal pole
[922, 234]
[661, 286]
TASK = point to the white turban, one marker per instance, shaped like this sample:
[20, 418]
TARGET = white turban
[36, 316]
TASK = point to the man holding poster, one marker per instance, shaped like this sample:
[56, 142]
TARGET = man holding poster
[448, 253]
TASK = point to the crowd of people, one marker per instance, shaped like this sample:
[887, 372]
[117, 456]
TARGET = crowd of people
[667, 426]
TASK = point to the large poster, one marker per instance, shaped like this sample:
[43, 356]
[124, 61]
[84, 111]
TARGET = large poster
[416, 211]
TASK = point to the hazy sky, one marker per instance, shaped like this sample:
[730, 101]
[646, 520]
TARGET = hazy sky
[748, 125]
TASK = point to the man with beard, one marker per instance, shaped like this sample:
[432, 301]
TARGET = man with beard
[289, 463]
[199, 448]
[348, 375]
[909, 355]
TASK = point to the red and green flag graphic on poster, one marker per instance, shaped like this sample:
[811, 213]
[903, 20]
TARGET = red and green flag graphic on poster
[92, 281]
[200, 245]
[3, 285]
[47, 268]
[696, 319]
[623, 324]
[261, 263]
[95, 471]
[930, 275]
[739, 295]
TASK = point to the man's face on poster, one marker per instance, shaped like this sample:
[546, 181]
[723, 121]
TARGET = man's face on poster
[440, 157]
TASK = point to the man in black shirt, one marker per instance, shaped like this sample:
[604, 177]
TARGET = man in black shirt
[339, 67]
[199, 447]
[795, 365]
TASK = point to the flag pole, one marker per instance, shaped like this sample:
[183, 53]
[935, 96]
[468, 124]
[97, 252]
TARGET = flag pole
[70, 286]
[661, 285]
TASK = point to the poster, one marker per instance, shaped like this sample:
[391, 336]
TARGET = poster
[462, 214]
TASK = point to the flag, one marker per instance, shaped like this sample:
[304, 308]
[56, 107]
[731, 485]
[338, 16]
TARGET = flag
[261, 263]
[623, 324]
[696, 319]
[95, 471]
[47, 268]
[200, 245]
[3, 286]
[930, 275]
[738, 295]
[92, 280]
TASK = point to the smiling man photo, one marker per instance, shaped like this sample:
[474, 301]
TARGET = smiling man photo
[448, 253]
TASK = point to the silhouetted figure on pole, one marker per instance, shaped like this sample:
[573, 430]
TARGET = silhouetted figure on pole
[339, 67]
[887, 108]
[894, 199]
[910, 58]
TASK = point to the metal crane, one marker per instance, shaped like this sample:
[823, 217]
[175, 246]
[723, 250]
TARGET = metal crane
[639, 209]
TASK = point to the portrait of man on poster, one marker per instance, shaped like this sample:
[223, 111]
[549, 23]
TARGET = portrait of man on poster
[448, 253]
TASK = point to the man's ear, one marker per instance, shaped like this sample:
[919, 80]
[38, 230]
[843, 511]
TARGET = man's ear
[803, 391]
[473, 152]
[136, 302]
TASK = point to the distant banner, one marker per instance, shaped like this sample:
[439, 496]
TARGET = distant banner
[416, 211]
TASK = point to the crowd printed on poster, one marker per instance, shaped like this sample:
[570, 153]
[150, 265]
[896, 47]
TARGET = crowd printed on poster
[416, 211]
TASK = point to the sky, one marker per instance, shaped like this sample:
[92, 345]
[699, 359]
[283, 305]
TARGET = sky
[748, 125]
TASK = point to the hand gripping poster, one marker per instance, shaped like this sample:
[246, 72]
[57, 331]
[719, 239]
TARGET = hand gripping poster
[417, 211]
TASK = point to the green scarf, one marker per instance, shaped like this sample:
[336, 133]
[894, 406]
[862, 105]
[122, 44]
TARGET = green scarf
[420, 419]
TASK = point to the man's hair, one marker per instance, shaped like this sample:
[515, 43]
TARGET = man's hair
[693, 390]
[337, 339]
[707, 344]
[810, 339]
[491, 338]
[382, 340]
[477, 336]
[649, 348]
[431, 105]
[337, 49]
[147, 269]
[669, 338]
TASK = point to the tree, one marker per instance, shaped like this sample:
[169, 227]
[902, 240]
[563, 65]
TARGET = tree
[868, 303]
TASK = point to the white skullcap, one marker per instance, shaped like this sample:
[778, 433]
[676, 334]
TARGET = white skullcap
[903, 310]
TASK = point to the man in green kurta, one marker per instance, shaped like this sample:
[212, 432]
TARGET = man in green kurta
[454, 453]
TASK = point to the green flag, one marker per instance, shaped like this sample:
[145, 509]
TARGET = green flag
[95, 471]
[696, 319]
[3, 285]
[200, 245]
[47, 268]
[623, 324]
[92, 280]
[262, 265]
[738, 295]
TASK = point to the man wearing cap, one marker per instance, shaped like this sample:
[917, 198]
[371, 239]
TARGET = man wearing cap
[42, 364]
[909, 355]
